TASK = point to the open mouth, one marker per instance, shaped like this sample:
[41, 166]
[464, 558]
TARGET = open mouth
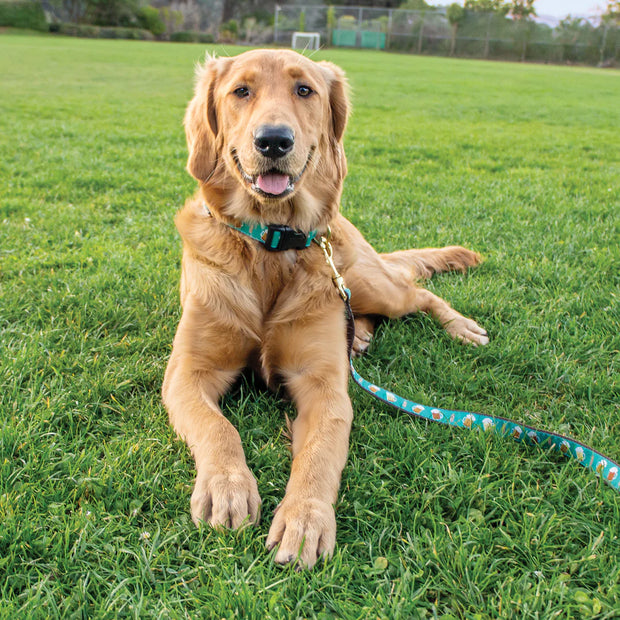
[274, 183]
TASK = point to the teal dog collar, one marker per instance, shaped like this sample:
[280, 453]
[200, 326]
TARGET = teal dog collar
[274, 237]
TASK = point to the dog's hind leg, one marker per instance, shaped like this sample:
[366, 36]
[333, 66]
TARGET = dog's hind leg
[364, 329]
[422, 264]
[384, 284]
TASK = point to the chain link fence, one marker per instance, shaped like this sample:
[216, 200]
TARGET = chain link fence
[477, 35]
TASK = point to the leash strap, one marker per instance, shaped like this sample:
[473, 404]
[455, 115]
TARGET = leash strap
[600, 464]
[588, 457]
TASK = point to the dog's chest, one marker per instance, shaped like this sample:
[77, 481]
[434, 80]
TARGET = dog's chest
[272, 276]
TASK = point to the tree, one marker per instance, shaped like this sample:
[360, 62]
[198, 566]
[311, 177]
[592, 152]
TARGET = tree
[612, 12]
[150, 19]
[69, 10]
[455, 15]
[522, 9]
[611, 18]
[568, 31]
[331, 23]
[112, 12]
[493, 10]
[415, 5]
[487, 6]
[384, 4]
[229, 9]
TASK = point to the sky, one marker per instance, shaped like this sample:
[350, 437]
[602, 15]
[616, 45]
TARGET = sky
[561, 8]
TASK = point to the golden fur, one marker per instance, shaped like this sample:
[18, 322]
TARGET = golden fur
[278, 311]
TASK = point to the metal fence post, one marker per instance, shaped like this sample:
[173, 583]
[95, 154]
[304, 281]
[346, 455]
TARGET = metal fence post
[594, 45]
[486, 38]
[421, 33]
[304, 10]
[275, 24]
[604, 44]
[358, 36]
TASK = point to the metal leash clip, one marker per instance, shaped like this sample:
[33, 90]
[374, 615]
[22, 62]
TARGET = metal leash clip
[328, 251]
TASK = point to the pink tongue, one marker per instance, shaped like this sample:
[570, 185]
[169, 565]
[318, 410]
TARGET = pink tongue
[272, 183]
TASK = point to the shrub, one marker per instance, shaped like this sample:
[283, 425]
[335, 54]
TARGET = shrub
[262, 16]
[76, 30]
[103, 32]
[149, 19]
[23, 15]
[347, 22]
[229, 31]
[137, 34]
[171, 19]
[112, 12]
[88, 30]
[189, 36]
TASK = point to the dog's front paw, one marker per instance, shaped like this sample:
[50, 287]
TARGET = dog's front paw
[226, 498]
[467, 330]
[304, 529]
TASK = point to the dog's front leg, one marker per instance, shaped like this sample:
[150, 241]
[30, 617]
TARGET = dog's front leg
[207, 355]
[312, 359]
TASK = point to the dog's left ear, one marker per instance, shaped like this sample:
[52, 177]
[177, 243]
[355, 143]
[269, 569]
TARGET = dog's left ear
[338, 96]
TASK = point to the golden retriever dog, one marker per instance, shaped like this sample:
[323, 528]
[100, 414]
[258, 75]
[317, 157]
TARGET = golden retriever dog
[264, 131]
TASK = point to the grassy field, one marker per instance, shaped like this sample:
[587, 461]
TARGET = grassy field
[518, 162]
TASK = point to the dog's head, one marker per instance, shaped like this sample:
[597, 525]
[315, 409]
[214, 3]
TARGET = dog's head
[264, 132]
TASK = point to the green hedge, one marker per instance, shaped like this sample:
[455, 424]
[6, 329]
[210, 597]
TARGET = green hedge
[102, 32]
[23, 15]
[191, 37]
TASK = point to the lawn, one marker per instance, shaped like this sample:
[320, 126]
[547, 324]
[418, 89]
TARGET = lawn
[519, 162]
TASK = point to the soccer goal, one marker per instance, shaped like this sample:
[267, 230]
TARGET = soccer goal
[306, 40]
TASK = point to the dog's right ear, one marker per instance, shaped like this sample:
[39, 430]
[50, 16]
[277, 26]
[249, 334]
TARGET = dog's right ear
[201, 119]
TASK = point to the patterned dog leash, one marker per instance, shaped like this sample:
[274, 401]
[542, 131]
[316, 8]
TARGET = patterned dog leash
[600, 464]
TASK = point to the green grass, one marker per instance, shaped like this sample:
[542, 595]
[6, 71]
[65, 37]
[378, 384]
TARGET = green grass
[519, 162]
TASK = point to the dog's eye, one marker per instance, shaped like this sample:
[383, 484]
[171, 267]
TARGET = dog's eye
[242, 92]
[304, 91]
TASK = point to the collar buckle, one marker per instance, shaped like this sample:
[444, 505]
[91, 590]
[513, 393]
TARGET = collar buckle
[280, 238]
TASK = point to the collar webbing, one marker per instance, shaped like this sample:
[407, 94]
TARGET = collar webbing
[274, 237]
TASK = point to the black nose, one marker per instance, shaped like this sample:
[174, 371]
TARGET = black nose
[274, 141]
